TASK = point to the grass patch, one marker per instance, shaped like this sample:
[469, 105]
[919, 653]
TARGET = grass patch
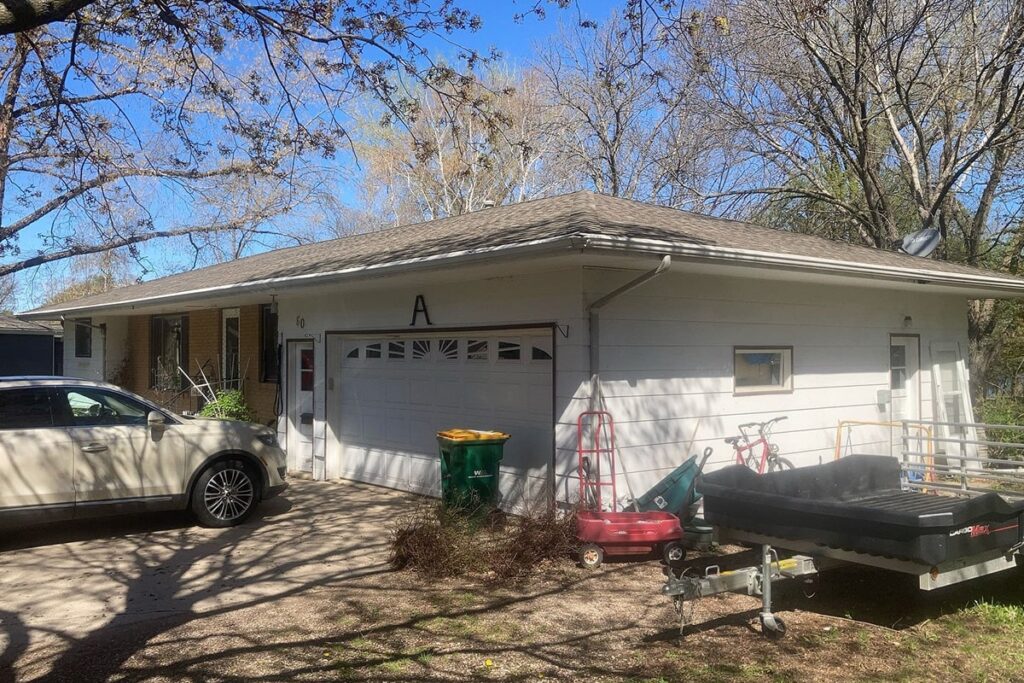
[996, 615]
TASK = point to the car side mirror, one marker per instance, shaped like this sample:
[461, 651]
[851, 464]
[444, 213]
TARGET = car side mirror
[155, 419]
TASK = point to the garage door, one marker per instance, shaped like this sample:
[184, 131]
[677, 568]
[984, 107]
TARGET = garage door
[393, 394]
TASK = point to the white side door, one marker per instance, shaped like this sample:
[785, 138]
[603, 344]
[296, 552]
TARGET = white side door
[905, 387]
[300, 405]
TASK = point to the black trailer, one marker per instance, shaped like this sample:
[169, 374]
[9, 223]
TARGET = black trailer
[853, 510]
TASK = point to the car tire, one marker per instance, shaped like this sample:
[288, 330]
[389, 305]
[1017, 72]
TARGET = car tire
[225, 494]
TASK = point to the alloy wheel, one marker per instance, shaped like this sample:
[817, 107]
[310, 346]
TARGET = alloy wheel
[229, 494]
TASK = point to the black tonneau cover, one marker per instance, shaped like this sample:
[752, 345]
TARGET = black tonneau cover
[856, 504]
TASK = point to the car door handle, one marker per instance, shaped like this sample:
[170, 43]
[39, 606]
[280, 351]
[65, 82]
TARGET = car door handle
[94, 448]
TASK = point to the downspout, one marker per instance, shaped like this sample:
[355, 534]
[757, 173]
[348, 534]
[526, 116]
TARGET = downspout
[594, 314]
[594, 321]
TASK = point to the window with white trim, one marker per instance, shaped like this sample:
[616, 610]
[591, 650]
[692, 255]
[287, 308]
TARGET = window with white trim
[762, 369]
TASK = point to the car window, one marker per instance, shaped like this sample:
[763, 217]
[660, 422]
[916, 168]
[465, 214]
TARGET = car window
[25, 408]
[93, 407]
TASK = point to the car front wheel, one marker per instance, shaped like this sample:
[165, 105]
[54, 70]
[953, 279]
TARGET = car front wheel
[224, 495]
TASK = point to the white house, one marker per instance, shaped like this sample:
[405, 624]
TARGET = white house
[500, 319]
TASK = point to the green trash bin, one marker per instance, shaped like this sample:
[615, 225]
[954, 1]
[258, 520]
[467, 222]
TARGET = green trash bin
[469, 467]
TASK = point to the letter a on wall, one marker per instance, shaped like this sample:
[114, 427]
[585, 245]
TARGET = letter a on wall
[420, 307]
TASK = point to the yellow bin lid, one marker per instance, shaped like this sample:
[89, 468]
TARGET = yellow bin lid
[471, 435]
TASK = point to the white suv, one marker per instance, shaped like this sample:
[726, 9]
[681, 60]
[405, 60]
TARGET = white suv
[72, 448]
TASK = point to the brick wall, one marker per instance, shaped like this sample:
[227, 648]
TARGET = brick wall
[259, 395]
[204, 351]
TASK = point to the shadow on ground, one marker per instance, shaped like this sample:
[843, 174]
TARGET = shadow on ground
[304, 592]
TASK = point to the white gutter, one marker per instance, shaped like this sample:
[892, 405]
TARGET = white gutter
[734, 256]
[581, 242]
[458, 257]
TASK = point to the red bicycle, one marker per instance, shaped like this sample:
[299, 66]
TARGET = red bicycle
[746, 447]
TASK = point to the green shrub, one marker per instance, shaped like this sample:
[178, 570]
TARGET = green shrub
[229, 405]
[1002, 410]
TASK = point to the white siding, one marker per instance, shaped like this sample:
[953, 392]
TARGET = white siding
[667, 364]
[109, 349]
[513, 301]
[666, 355]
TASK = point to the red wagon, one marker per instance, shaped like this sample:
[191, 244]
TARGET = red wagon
[601, 529]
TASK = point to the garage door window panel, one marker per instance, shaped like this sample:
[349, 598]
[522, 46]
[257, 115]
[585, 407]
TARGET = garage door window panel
[396, 350]
[448, 349]
[478, 350]
[509, 350]
[421, 349]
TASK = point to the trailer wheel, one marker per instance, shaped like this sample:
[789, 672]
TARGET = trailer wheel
[591, 556]
[772, 627]
[673, 553]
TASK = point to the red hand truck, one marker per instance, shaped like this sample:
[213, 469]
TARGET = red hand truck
[600, 527]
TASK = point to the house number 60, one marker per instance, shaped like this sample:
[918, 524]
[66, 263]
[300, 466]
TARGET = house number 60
[300, 322]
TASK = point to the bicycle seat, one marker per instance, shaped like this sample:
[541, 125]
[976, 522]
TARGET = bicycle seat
[733, 440]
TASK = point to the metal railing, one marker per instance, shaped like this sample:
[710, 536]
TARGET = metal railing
[962, 458]
[924, 436]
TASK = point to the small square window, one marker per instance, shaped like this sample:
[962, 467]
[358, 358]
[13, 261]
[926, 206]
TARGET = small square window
[763, 369]
[478, 349]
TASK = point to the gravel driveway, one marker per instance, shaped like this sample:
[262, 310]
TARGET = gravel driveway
[303, 592]
[68, 593]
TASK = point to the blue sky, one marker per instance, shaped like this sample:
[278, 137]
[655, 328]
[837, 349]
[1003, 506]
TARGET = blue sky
[515, 40]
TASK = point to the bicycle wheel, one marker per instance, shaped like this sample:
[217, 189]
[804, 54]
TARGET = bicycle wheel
[779, 464]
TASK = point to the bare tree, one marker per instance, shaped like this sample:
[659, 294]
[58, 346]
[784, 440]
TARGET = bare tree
[885, 116]
[122, 123]
[622, 128]
[460, 156]
[8, 294]
[882, 92]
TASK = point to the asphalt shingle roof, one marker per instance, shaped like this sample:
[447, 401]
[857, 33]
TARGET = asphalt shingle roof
[10, 323]
[578, 213]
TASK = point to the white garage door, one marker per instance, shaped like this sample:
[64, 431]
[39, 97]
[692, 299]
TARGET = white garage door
[394, 393]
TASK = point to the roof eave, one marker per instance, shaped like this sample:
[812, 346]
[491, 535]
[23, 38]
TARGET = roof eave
[551, 244]
[977, 286]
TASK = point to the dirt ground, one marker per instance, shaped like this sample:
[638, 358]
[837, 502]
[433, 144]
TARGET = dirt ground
[303, 592]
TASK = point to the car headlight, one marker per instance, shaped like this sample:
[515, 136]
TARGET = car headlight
[268, 439]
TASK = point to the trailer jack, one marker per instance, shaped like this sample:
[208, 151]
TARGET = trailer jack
[754, 580]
